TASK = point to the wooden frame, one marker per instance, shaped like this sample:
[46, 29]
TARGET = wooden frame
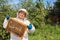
[16, 27]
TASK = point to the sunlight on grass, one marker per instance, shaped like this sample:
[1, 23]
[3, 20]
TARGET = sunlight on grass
[49, 33]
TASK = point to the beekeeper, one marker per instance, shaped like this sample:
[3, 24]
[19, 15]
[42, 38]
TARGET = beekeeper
[21, 16]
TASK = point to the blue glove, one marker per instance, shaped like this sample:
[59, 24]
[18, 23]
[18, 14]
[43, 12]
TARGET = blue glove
[7, 17]
[29, 26]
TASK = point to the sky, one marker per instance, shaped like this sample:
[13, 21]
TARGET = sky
[50, 1]
[45, 2]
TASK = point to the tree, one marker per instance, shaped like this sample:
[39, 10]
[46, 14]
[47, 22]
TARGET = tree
[36, 11]
[54, 14]
[4, 10]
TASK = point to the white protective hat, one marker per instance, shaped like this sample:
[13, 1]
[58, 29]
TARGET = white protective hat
[24, 10]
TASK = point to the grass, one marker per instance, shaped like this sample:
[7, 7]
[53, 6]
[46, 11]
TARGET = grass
[47, 33]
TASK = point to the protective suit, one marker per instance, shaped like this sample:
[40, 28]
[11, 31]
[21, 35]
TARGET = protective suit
[14, 37]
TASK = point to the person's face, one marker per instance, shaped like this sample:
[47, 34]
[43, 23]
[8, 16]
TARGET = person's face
[21, 15]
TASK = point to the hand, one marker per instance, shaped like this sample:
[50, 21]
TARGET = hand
[29, 26]
[7, 17]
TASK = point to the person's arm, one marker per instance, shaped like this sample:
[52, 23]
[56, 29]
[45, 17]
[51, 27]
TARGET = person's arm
[5, 21]
[31, 28]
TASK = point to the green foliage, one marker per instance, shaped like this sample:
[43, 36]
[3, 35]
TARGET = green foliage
[4, 10]
[48, 33]
[54, 14]
[57, 4]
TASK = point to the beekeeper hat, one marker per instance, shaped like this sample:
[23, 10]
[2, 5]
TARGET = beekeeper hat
[24, 10]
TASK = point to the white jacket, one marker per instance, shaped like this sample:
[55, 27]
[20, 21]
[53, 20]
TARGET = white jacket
[14, 37]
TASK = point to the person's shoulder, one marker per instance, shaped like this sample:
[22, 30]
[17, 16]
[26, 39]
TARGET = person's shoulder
[27, 21]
